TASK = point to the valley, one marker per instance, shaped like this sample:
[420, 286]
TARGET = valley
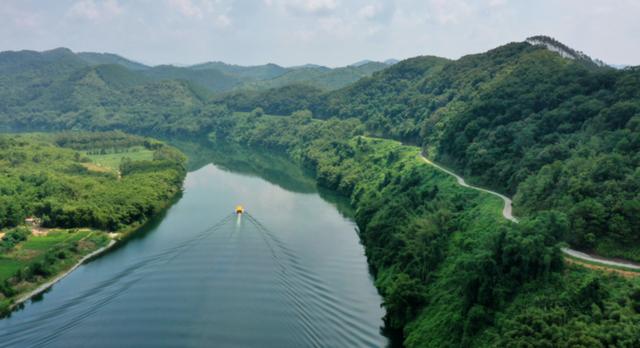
[534, 120]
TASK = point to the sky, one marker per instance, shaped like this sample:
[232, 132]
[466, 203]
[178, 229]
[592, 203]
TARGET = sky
[326, 32]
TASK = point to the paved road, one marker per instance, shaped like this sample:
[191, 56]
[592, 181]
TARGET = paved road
[508, 214]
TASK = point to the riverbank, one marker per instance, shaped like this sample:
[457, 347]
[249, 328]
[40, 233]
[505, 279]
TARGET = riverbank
[56, 181]
[451, 269]
[43, 287]
[115, 239]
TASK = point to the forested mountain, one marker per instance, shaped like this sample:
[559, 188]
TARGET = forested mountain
[521, 118]
[557, 132]
[452, 271]
[94, 58]
[244, 73]
[25, 74]
[56, 90]
[38, 69]
[212, 79]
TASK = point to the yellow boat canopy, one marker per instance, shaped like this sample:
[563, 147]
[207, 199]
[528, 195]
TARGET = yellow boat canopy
[239, 209]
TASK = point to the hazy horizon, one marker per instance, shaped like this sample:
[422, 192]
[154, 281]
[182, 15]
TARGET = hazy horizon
[324, 32]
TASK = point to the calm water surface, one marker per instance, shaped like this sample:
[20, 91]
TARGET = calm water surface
[290, 273]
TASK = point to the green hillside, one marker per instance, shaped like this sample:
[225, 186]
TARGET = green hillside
[453, 272]
[93, 58]
[55, 90]
[213, 80]
[244, 73]
[545, 124]
[558, 133]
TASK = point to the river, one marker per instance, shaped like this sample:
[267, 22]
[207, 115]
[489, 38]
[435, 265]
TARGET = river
[289, 273]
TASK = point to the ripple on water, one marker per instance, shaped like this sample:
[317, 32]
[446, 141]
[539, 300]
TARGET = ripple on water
[237, 284]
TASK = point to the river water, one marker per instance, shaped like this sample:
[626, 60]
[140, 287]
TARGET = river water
[289, 273]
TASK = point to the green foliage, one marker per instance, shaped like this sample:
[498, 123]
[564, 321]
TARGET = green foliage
[279, 101]
[579, 310]
[40, 178]
[33, 259]
[555, 133]
[13, 237]
[447, 264]
[561, 135]
[57, 90]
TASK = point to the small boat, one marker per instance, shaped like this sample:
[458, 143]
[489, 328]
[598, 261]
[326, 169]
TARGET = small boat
[239, 209]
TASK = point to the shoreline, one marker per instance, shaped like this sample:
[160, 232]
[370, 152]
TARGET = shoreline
[40, 289]
[122, 236]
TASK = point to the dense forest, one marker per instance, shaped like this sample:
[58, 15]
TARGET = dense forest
[451, 270]
[553, 132]
[51, 177]
[559, 132]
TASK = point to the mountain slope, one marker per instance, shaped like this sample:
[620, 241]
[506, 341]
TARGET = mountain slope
[57, 90]
[557, 133]
[24, 75]
[245, 73]
[93, 58]
[214, 80]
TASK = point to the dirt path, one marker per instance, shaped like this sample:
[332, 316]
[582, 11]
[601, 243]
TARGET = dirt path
[507, 212]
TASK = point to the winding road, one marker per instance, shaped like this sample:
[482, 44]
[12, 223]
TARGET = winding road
[507, 212]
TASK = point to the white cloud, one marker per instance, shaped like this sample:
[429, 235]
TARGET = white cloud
[315, 7]
[496, 3]
[92, 10]
[369, 11]
[186, 8]
[450, 11]
[215, 11]
[377, 11]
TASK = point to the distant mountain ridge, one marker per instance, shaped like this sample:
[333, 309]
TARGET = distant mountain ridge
[219, 76]
[533, 119]
[94, 58]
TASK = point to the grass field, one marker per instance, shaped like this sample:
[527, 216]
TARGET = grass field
[113, 160]
[9, 267]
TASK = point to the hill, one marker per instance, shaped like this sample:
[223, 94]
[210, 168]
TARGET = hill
[212, 79]
[244, 73]
[57, 90]
[536, 120]
[557, 132]
[93, 58]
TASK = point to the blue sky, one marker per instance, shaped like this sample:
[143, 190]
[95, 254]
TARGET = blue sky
[328, 32]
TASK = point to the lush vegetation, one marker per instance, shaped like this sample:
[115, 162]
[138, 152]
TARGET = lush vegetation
[28, 260]
[452, 271]
[561, 135]
[50, 179]
[554, 132]
[62, 188]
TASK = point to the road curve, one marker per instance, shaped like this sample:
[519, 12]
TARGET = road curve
[507, 212]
